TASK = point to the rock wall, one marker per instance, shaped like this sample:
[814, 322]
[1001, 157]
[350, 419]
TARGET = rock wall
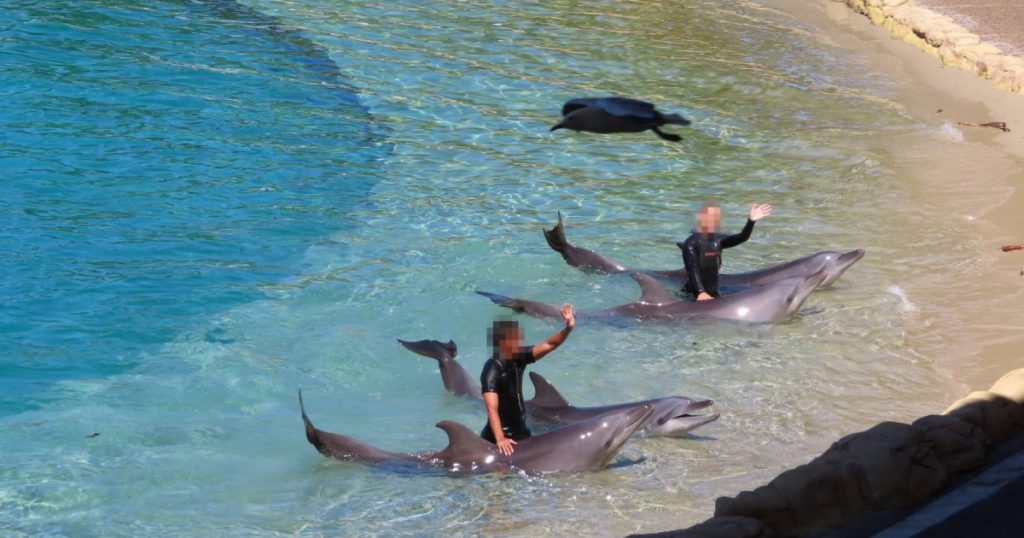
[939, 36]
[892, 465]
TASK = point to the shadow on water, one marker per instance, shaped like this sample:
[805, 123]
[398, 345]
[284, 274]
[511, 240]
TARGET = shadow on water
[164, 162]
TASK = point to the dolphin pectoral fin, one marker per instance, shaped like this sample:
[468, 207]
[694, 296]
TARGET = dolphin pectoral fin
[653, 293]
[545, 394]
[666, 136]
[431, 348]
[463, 440]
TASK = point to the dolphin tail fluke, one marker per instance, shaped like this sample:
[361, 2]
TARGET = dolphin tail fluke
[434, 349]
[501, 300]
[556, 236]
[545, 394]
[311, 435]
[675, 119]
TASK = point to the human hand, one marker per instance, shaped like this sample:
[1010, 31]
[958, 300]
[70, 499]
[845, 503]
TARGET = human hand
[703, 296]
[569, 313]
[505, 446]
[758, 212]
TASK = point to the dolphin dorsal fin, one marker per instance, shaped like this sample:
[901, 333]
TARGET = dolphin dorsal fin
[653, 293]
[546, 395]
[462, 438]
[432, 348]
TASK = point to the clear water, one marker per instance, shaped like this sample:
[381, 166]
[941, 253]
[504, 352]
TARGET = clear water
[208, 205]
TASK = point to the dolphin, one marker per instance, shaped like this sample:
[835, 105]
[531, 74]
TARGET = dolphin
[588, 445]
[672, 416]
[773, 303]
[617, 115]
[836, 263]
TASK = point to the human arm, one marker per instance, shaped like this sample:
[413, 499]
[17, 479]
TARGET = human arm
[757, 212]
[494, 421]
[552, 343]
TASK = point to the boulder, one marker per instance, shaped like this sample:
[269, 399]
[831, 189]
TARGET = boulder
[896, 464]
[959, 445]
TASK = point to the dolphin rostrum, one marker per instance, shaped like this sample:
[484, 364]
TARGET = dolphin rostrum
[672, 416]
[835, 263]
[587, 445]
[773, 303]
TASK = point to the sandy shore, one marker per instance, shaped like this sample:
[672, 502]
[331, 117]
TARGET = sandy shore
[975, 318]
[978, 318]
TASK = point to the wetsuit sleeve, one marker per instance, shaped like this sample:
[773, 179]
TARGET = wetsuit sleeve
[525, 355]
[736, 239]
[489, 379]
[692, 265]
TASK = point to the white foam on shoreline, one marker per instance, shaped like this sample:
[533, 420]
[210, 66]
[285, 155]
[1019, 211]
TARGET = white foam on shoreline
[951, 132]
[906, 304]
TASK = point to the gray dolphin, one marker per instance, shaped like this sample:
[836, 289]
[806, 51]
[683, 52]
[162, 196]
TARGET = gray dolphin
[672, 416]
[588, 445]
[835, 263]
[616, 115]
[766, 304]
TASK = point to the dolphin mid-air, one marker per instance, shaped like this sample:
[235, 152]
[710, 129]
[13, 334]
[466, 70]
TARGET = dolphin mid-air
[617, 115]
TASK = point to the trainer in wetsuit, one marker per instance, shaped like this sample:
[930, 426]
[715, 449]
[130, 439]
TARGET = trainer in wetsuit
[502, 379]
[702, 251]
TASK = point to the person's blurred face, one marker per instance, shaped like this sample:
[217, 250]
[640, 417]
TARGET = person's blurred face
[708, 219]
[511, 341]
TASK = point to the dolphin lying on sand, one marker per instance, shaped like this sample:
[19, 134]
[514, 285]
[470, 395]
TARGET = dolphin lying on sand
[773, 303]
[835, 263]
[588, 445]
[672, 416]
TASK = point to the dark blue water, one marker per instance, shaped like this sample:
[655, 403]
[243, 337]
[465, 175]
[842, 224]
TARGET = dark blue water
[158, 162]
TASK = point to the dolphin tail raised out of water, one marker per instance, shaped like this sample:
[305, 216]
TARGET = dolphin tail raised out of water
[455, 378]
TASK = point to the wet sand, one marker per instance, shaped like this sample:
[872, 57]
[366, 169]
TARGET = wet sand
[975, 319]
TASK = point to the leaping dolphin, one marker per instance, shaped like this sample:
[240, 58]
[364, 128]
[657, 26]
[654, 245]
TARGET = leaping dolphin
[835, 263]
[588, 445]
[672, 416]
[773, 303]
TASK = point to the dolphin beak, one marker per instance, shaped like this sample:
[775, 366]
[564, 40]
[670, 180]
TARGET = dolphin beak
[557, 126]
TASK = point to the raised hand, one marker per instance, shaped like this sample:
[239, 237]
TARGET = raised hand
[758, 212]
[569, 313]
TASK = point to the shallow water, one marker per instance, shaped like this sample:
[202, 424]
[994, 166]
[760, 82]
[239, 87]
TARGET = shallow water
[210, 205]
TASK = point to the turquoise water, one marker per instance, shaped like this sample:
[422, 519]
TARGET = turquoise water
[208, 205]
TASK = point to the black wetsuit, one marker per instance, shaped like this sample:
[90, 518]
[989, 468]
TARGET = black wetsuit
[505, 377]
[702, 257]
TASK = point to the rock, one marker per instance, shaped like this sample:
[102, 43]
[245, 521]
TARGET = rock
[999, 417]
[763, 503]
[819, 495]
[1010, 386]
[898, 464]
[718, 527]
[959, 445]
